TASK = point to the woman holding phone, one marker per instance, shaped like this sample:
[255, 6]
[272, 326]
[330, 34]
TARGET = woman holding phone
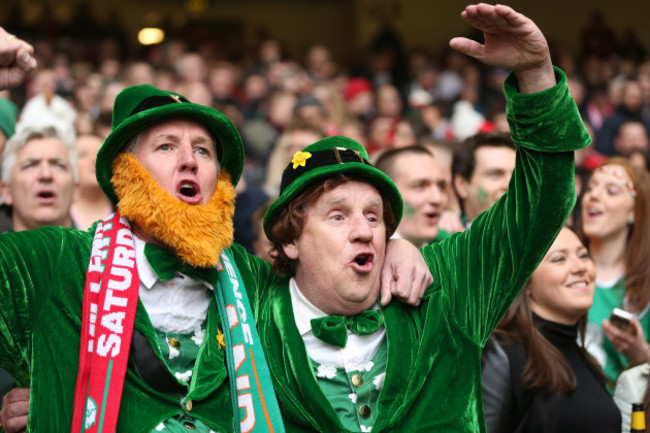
[615, 221]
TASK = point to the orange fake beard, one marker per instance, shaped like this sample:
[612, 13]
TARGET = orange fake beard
[196, 233]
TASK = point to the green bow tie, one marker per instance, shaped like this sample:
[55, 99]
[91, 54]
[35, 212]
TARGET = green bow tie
[334, 329]
[165, 264]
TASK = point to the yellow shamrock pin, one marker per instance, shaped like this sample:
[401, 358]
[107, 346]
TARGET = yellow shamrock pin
[221, 339]
[300, 158]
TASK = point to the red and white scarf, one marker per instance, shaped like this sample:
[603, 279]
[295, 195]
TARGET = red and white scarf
[109, 306]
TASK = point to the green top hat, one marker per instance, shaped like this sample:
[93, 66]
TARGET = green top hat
[323, 159]
[8, 114]
[139, 107]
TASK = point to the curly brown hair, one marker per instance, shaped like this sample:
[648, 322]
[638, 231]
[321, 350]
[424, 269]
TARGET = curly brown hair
[289, 223]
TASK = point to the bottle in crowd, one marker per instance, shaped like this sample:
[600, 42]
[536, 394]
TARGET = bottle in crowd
[637, 423]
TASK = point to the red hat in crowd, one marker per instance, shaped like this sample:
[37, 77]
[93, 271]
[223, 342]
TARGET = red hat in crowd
[356, 86]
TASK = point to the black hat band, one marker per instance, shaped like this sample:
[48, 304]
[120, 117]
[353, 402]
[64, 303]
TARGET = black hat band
[157, 101]
[320, 158]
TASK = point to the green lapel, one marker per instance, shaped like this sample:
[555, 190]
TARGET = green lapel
[301, 398]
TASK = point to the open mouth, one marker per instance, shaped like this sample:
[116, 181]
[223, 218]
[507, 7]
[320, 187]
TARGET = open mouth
[46, 196]
[363, 262]
[433, 216]
[362, 259]
[594, 212]
[188, 190]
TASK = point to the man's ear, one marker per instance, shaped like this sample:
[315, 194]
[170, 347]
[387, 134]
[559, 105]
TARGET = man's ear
[291, 250]
[5, 193]
[461, 185]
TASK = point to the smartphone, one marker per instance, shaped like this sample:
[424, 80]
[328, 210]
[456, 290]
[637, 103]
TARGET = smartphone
[621, 319]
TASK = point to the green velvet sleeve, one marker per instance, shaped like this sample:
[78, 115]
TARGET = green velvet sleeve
[46, 259]
[479, 272]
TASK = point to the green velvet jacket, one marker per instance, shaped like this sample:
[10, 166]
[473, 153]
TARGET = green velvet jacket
[433, 380]
[433, 371]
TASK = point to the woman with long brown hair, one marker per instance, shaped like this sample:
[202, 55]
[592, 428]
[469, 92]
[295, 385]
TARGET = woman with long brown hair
[615, 222]
[536, 378]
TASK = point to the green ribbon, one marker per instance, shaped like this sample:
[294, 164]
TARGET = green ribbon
[333, 330]
[166, 264]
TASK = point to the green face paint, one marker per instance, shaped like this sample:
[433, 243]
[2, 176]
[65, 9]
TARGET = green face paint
[482, 196]
[409, 211]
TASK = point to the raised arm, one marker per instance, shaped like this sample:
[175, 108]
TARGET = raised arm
[479, 272]
[16, 60]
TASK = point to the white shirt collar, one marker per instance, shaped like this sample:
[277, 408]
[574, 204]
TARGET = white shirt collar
[303, 309]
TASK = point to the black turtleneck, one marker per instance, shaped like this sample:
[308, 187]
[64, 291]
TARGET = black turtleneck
[511, 408]
[590, 407]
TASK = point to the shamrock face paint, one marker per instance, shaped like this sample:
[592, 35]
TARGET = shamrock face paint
[409, 211]
[482, 196]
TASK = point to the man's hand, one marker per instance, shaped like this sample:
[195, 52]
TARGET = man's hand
[630, 343]
[512, 41]
[405, 274]
[16, 60]
[15, 406]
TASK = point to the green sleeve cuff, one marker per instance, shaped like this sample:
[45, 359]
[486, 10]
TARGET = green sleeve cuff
[547, 121]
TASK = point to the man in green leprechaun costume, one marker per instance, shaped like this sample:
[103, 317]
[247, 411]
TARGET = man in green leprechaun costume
[339, 362]
[144, 324]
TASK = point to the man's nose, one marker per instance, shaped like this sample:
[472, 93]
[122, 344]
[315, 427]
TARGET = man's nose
[187, 158]
[45, 171]
[360, 229]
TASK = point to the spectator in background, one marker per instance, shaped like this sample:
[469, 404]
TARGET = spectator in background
[628, 110]
[91, 203]
[46, 108]
[632, 137]
[388, 102]
[423, 185]
[310, 109]
[222, 80]
[334, 104]
[615, 222]
[261, 245]
[359, 99]
[435, 119]
[249, 198]
[405, 133]
[535, 375]
[481, 170]
[39, 175]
